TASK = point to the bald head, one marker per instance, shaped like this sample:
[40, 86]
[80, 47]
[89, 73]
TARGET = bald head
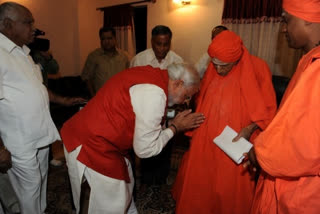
[16, 23]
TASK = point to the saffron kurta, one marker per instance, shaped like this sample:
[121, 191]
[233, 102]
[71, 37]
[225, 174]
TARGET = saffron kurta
[289, 149]
[208, 181]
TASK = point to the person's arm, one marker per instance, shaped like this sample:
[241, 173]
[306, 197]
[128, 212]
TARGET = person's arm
[149, 102]
[54, 76]
[290, 145]
[90, 87]
[5, 158]
[246, 132]
[1, 86]
[250, 162]
[5, 155]
[264, 77]
[66, 101]
[88, 72]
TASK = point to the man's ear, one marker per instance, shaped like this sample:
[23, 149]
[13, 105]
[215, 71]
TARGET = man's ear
[7, 23]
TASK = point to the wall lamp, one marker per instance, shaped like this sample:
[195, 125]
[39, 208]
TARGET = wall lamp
[184, 2]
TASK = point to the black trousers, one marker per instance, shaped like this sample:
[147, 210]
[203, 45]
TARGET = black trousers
[155, 170]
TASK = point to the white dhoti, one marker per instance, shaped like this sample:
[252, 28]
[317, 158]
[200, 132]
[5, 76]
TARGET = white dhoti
[107, 195]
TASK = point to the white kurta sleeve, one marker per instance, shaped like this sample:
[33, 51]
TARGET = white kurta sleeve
[1, 85]
[149, 102]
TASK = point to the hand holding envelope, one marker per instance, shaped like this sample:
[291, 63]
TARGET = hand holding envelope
[234, 150]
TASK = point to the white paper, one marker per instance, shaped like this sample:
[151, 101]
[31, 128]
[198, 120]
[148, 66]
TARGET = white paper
[234, 150]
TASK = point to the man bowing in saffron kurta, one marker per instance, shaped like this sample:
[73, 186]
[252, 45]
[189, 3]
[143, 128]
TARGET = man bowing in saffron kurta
[289, 149]
[237, 91]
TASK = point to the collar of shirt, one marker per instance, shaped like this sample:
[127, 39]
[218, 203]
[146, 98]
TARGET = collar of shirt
[154, 58]
[9, 45]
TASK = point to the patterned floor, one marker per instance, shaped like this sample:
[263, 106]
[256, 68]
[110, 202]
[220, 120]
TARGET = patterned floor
[59, 196]
[150, 200]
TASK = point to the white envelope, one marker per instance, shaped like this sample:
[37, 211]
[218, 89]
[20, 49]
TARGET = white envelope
[234, 150]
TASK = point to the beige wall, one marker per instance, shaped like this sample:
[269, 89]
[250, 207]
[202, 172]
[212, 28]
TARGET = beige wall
[191, 24]
[72, 26]
[58, 18]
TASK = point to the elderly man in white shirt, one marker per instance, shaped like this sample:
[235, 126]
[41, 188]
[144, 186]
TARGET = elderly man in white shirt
[26, 126]
[160, 55]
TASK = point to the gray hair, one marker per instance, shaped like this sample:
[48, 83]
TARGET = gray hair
[9, 10]
[185, 72]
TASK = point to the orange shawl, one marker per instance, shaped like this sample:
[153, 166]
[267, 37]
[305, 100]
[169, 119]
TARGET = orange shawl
[288, 150]
[208, 181]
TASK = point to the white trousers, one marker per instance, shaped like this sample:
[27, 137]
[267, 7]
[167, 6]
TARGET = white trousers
[107, 195]
[28, 176]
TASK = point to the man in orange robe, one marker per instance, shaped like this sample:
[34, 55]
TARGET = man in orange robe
[289, 149]
[237, 91]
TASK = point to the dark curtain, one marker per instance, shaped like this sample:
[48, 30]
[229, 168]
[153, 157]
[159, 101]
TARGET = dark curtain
[248, 11]
[118, 16]
[140, 25]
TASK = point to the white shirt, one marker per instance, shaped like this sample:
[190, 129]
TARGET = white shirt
[147, 57]
[203, 64]
[149, 102]
[25, 121]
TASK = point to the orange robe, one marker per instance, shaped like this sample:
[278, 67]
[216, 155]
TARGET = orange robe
[208, 181]
[289, 149]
